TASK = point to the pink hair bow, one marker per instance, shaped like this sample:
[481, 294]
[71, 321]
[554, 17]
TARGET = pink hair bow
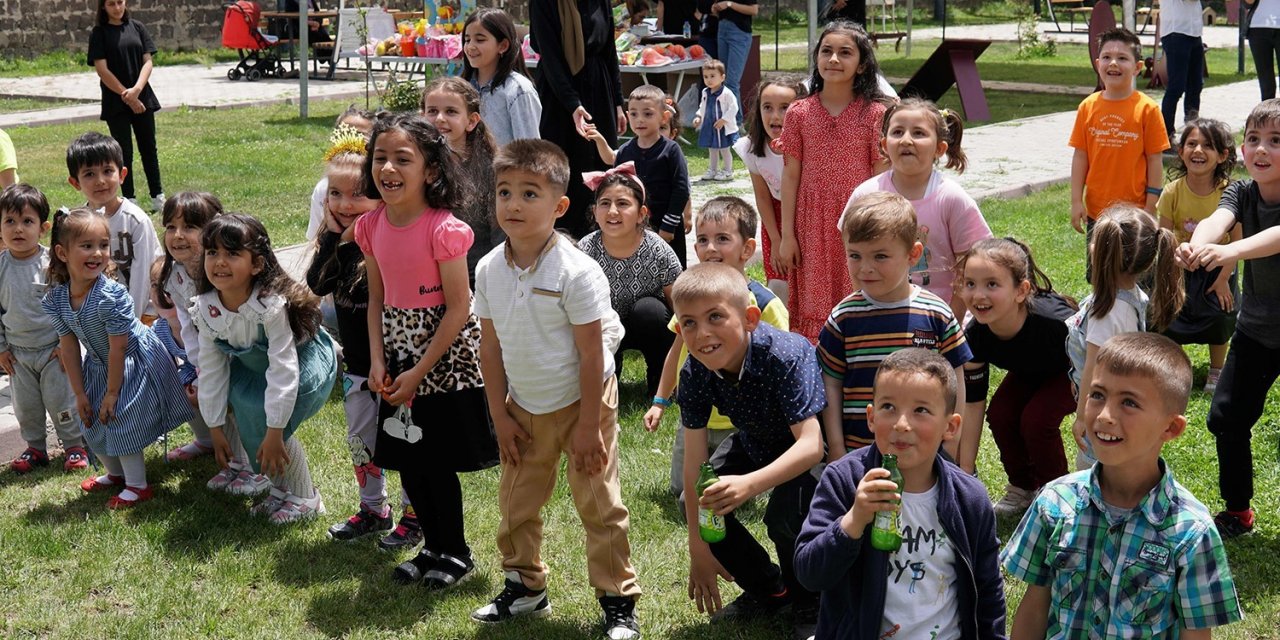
[592, 179]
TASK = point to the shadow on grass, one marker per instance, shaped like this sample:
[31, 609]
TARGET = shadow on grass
[741, 630]
[324, 121]
[660, 496]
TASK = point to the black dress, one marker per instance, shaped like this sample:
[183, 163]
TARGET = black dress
[597, 87]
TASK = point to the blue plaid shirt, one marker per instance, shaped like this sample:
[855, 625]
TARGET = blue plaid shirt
[1154, 571]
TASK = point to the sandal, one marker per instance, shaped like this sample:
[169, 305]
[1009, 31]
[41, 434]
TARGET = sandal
[93, 484]
[117, 502]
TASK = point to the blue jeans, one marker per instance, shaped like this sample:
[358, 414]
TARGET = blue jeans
[734, 45]
[1184, 61]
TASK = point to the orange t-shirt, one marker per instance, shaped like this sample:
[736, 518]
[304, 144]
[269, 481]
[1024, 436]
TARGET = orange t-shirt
[1117, 135]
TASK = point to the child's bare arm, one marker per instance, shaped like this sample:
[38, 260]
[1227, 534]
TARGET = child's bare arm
[833, 417]
[1155, 178]
[967, 444]
[607, 153]
[1032, 618]
[704, 570]
[789, 252]
[1086, 382]
[377, 362]
[1196, 634]
[666, 384]
[731, 491]
[70, 347]
[1079, 169]
[457, 297]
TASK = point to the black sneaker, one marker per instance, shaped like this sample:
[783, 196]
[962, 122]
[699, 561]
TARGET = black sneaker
[515, 600]
[363, 523]
[749, 607]
[415, 570]
[449, 571]
[407, 534]
[620, 618]
[1231, 525]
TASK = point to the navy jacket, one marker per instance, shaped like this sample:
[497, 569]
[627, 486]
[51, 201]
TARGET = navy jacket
[853, 579]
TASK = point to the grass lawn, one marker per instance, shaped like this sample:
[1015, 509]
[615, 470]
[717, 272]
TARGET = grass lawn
[193, 564]
[15, 105]
[73, 61]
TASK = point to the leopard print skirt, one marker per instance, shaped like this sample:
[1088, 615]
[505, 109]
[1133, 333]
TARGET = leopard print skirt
[406, 333]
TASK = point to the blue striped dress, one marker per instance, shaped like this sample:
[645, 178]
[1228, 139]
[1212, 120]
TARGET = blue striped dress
[152, 401]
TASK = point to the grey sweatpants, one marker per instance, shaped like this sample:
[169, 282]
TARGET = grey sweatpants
[40, 387]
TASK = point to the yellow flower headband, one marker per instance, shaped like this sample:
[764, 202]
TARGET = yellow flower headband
[345, 139]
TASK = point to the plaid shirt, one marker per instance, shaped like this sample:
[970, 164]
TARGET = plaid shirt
[1154, 571]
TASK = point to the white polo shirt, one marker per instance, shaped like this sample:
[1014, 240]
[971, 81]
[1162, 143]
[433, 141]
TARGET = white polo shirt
[533, 311]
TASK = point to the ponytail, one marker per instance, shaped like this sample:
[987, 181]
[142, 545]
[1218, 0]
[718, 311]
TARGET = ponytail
[1127, 241]
[1106, 252]
[1167, 292]
[951, 132]
[67, 226]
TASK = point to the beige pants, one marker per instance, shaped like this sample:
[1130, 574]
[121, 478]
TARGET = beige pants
[526, 488]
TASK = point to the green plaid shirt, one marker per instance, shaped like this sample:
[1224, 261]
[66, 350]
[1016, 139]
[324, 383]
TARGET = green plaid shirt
[1151, 572]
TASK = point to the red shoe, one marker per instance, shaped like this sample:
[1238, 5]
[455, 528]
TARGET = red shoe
[116, 502]
[28, 460]
[92, 484]
[75, 458]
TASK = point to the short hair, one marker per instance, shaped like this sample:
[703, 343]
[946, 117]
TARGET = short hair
[881, 214]
[713, 65]
[1154, 357]
[731, 209]
[714, 281]
[93, 149]
[1120, 34]
[539, 157]
[647, 92]
[922, 362]
[1265, 113]
[17, 197]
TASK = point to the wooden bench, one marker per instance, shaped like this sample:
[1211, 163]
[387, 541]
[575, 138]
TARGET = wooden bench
[896, 36]
[1071, 9]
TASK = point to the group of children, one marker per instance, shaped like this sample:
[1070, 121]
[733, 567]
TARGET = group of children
[454, 295]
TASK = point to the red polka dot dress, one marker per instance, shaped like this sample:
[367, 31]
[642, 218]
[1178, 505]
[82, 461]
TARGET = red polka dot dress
[836, 154]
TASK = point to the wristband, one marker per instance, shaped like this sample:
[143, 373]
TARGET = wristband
[1155, 191]
[661, 401]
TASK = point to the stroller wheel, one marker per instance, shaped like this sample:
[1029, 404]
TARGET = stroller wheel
[233, 73]
[254, 75]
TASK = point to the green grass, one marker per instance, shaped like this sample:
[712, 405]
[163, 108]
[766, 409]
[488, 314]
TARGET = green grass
[15, 105]
[73, 61]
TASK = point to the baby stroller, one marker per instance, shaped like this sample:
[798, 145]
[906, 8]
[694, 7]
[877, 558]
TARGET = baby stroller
[258, 57]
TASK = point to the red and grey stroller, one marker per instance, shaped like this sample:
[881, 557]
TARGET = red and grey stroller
[258, 56]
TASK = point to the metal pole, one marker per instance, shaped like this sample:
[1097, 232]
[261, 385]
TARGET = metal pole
[911, 12]
[1240, 41]
[303, 50]
[813, 25]
[777, 37]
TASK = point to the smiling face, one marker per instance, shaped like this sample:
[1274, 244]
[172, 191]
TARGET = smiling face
[838, 60]
[482, 49]
[448, 112]
[527, 207]
[775, 99]
[645, 117]
[912, 143]
[346, 199]
[881, 266]
[990, 293]
[1198, 154]
[99, 184]
[182, 241]
[1117, 66]
[1262, 152]
[720, 241]
[716, 333]
[20, 231]
[909, 418]
[88, 253]
[1127, 420]
[231, 271]
[619, 213]
[400, 171]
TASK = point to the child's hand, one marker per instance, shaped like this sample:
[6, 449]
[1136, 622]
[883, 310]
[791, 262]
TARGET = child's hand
[107, 410]
[378, 378]
[56, 354]
[221, 447]
[331, 221]
[720, 124]
[876, 493]
[1212, 256]
[704, 569]
[593, 133]
[586, 448]
[509, 434]
[1078, 217]
[193, 396]
[653, 418]
[727, 494]
[666, 236]
[1223, 292]
[1185, 255]
[348, 235]
[85, 409]
[788, 255]
[688, 220]
[402, 389]
[6, 361]
[271, 456]
[1077, 430]
[697, 122]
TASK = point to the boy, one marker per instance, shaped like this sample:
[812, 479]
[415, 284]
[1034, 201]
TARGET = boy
[1254, 355]
[544, 310]
[768, 383]
[1118, 137]
[888, 313]
[28, 343]
[944, 581]
[96, 165]
[726, 234]
[660, 164]
[1122, 550]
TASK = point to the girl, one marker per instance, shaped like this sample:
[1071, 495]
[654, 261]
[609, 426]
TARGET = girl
[831, 144]
[1206, 158]
[1017, 326]
[424, 342]
[641, 267]
[493, 64]
[915, 135]
[361, 120]
[718, 130]
[1127, 245]
[263, 353]
[127, 388]
[453, 106]
[767, 110]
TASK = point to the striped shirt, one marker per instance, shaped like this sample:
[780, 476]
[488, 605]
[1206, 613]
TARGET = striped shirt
[861, 332]
[1151, 571]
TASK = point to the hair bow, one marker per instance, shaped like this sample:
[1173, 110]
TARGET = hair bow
[592, 179]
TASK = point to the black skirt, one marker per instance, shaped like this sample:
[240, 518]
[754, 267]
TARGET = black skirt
[450, 430]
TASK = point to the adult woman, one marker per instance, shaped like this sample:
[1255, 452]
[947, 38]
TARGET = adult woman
[1181, 24]
[1264, 42]
[709, 34]
[120, 50]
[580, 86]
[734, 41]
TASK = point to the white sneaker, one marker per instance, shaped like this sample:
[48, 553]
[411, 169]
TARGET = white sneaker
[295, 509]
[1015, 501]
[248, 483]
[710, 175]
[157, 203]
[273, 503]
[515, 600]
[222, 480]
[724, 175]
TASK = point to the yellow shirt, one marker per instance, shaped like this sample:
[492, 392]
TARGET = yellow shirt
[1179, 204]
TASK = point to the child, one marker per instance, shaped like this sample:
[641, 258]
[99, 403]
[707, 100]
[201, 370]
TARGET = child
[826, 156]
[726, 234]
[28, 345]
[493, 64]
[337, 269]
[1126, 246]
[126, 388]
[1255, 350]
[96, 166]
[544, 310]
[1017, 326]
[363, 122]
[164, 327]
[954, 584]
[453, 106]
[716, 121]
[1168, 570]
[768, 383]
[263, 353]
[640, 267]
[886, 314]
[1118, 138]
[914, 137]
[660, 164]
[670, 128]
[1206, 158]
[768, 109]
[424, 342]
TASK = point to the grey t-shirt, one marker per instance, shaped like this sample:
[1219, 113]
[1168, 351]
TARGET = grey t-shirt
[645, 273]
[23, 323]
[1260, 304]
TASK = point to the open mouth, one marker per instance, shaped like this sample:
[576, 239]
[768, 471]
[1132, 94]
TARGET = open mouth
[390, 185]
[1107, 438]
[708, 349]
[981, 308]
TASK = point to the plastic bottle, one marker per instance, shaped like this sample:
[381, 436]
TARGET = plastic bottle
[688, 31]
[710, 526]
[885, 533]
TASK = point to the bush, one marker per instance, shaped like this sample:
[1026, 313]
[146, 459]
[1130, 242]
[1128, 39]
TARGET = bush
[402, 95]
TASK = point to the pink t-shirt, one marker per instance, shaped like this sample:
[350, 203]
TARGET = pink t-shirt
[950, 223]
[407, 256]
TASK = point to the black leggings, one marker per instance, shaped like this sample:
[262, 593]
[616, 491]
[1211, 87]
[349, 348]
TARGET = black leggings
[1238, 403]
[436, 495]
[1264, 44]
[646, 332]
[143, 125]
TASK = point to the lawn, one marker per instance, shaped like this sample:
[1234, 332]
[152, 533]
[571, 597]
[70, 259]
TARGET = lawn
[193, 564]
[16, 105]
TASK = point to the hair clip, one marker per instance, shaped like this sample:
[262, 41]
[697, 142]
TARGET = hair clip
[345, 139]
[946, 113]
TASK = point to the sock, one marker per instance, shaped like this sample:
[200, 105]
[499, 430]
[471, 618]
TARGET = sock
[129, 494]
[297, 475]
[713, 161]
[112, 465]
[135, 470]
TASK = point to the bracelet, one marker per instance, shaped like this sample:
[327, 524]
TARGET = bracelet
[661, 401]
[1155, 191]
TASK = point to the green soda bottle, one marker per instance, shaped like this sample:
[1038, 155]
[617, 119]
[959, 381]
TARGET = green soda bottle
[885, 533]
[710, 525]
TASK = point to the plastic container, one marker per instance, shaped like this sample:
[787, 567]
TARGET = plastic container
[407, 47]
[421, 45]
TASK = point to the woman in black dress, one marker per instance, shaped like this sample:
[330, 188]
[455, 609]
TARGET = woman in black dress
[579, 84]
[120, 50]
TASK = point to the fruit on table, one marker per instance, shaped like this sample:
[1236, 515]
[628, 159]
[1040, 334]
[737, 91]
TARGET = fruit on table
[651, 56]
[696, 52]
